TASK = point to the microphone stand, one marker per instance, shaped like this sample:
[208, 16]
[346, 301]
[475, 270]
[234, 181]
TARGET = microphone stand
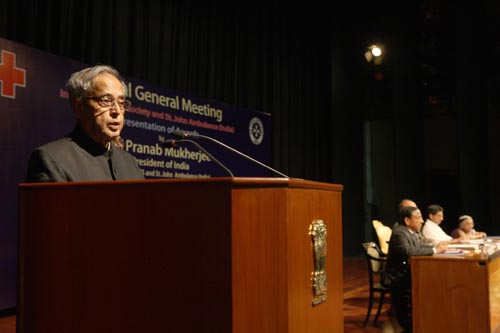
[182, 135]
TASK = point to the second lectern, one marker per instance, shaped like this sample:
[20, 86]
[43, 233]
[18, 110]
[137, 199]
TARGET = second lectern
[203, 255]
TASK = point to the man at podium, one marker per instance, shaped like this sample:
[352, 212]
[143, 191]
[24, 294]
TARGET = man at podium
[92, 151]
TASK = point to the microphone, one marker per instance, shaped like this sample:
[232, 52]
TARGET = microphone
[179, 134]
[173, 144]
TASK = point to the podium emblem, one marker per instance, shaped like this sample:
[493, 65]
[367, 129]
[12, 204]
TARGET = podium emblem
[317, 230]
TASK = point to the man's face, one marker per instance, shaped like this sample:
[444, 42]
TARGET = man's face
[415, 221]
[437, 218]
[102, 124]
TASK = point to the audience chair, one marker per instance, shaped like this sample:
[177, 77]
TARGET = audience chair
[383, 234]
[375, 263]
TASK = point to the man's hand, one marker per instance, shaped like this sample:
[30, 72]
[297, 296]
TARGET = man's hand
[441, 247]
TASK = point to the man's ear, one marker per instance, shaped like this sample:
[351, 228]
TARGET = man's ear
[77, 108]
[407, 220]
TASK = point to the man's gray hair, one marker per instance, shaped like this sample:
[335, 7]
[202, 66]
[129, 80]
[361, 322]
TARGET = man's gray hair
[81, 82]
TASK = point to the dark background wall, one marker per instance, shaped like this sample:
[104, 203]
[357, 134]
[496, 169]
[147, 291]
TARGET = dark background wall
[423, 124]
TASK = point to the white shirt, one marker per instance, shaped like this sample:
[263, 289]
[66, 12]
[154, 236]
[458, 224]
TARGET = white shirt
[434, 233]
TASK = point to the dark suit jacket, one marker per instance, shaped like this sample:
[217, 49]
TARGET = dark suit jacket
[402, 245]
[79, 158]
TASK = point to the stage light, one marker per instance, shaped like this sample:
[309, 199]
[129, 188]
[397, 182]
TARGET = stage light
[374, 53]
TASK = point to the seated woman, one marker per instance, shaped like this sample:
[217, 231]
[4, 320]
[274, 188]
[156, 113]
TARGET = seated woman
[466, 229]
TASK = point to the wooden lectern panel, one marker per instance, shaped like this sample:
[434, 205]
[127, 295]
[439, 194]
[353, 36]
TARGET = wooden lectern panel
[211, 255]
[137, 257]
[494, 292]
[286, 285]
[455, 294]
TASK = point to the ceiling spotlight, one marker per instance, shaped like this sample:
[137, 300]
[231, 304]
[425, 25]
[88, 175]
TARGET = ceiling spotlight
[374, 53]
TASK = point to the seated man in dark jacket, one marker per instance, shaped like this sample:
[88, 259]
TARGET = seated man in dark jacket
[405, 242]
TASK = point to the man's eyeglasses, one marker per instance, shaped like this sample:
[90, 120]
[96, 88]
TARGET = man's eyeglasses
[107, 101]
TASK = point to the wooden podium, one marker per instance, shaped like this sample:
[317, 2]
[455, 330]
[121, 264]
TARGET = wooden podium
[198, 255]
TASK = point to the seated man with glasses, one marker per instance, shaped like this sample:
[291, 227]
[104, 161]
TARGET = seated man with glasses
[92, 151]
[405, 243]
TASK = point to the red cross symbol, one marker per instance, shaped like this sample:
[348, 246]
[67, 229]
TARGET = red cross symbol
[10, 75]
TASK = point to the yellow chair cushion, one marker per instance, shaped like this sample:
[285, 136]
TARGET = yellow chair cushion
[384, 235]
